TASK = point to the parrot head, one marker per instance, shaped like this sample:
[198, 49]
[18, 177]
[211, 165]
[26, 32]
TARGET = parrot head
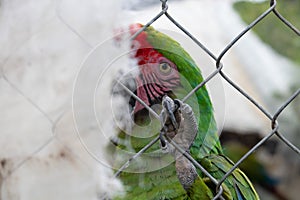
[157, 76]
[165, 68]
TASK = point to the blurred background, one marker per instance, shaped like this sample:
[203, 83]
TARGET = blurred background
[53, 53]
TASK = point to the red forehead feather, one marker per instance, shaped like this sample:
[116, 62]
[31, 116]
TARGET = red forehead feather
[140, 38]
[145, 52]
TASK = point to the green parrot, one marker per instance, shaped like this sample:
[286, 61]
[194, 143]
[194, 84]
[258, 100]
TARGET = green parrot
[166, 69]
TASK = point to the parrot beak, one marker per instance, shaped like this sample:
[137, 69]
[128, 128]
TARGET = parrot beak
[141, 93]
[140, 113]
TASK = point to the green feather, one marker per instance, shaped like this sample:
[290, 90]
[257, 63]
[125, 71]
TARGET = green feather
[218, 165]
[200, 190]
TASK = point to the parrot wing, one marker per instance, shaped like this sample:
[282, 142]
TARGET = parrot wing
[238, 183]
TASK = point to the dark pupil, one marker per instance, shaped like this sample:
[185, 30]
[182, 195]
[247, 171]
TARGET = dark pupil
[164, 66]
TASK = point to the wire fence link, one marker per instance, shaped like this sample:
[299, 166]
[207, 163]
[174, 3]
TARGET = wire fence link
[219, 66]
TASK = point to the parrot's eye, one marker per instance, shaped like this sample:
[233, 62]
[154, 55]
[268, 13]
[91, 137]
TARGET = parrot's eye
[165, 68]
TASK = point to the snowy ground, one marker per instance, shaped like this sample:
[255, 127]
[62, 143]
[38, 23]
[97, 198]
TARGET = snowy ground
[44, 45]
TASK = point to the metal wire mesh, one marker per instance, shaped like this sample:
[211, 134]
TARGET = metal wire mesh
[274, 124]
[218, 58]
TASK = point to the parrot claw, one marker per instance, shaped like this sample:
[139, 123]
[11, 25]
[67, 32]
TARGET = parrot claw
[178, 104]
[167, 117]
[170, 107]
[162, 139]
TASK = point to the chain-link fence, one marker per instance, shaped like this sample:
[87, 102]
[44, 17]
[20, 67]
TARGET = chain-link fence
[274, 125]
